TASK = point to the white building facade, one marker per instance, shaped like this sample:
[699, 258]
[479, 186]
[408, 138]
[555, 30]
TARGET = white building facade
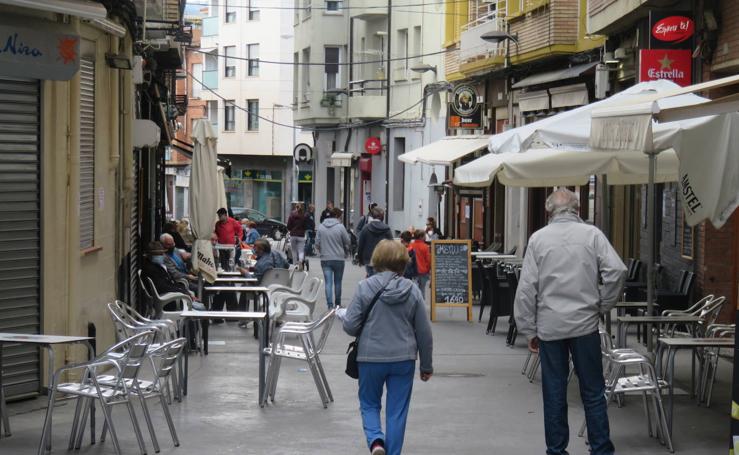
[376, 96]
[249, 95]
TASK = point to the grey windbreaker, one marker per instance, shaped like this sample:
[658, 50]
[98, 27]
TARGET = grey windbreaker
[397, 328]
[558, 293]
[332, 240]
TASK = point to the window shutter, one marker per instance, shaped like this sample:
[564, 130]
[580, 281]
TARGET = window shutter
[87, 154]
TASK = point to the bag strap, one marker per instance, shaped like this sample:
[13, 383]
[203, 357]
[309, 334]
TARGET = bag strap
[372, 304]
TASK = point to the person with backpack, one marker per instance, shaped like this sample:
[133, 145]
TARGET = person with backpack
[366, 219]
[334, 245]
[370, 236]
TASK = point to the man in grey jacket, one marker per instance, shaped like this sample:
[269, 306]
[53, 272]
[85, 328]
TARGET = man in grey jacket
[333, 245]
[558, 305]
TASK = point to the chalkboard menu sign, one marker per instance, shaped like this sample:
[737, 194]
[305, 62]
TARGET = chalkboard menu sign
[451, 275]
[686, 240]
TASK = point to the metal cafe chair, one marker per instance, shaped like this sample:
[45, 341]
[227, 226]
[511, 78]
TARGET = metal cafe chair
[125, 358]
[709, 365]
[308, 350]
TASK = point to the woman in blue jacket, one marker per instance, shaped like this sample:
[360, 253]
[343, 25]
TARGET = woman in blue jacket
[396, 331]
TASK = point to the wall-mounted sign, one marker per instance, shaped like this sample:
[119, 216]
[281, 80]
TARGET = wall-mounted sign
[672, 64]
[373, 145]
[465, 110]
[305, 177]
[38, 49]
[303, 153]
[670, 30]
[259, 174]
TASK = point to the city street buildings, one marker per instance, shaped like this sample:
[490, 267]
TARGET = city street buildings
[379, 93]
[249, 101]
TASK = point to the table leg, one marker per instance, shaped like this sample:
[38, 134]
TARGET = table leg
[260, 297]
[3, 407]
[50, 351]
[187, 355]
[262, 366]
[206, 328]
[671, 382]
[91, 355]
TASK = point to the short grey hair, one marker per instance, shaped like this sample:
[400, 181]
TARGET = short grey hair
[165, 236]
[378, 213]
[562, 201]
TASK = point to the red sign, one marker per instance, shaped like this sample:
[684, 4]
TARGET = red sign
[372, 145]
[672, 64]
[673, 29]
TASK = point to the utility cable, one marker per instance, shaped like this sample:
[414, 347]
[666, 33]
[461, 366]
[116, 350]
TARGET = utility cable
[365, 62]
[338, 8]
[338, 128]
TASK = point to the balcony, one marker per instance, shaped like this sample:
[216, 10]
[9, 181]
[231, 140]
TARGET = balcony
[369, 9]
[211, 25]
[472, 47]
[210, 80]
[367, 100]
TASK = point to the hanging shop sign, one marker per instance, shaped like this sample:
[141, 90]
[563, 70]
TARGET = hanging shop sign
[303, 153]
[466, 112]
[671, 64]
[670, 30]
[38, 49]
[373, 145]
[305, 177]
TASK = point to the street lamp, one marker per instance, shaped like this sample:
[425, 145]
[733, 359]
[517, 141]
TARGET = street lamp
[496, 37]
[423, 68]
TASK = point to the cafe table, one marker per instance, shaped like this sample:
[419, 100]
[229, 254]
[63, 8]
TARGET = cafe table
[47, 342]
[259, 317]
[657, 321]
[260, 291]
[668, 347]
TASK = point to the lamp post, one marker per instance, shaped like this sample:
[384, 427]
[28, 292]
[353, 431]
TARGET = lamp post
[496, 37]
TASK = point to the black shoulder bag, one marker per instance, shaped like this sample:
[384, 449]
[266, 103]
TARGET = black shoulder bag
[352, 369]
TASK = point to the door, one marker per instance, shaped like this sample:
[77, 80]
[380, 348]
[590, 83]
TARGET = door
[20, 229]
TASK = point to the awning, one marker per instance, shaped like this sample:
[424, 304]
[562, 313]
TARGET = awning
[445, 151]
[569, 95]
[556, 75]
[340, 160]
[533, 101]
[80, 8]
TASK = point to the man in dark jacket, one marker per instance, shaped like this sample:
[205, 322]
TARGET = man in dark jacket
[370, 236]
[328, 212]
[154, 268]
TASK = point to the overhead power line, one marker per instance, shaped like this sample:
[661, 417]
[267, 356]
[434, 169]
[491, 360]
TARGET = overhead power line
[338, 128]
[364, 62]
[338, 8]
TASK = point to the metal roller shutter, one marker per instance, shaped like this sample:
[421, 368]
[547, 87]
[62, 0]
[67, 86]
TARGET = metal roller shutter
[87, 154]
[20, 229]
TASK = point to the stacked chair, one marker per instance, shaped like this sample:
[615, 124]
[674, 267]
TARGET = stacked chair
[297, 341]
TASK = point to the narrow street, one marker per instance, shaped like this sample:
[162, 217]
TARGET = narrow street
[477, 402]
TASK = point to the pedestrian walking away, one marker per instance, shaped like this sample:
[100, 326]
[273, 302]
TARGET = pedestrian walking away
[558, 306]
[327, 212]
[422, 253]
[296, 224]
[370, 236]
[366, 218]
[395, 332]
[334, 245]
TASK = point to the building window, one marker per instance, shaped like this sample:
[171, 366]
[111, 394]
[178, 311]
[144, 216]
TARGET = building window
[306, 9]
[197, 71]
[87, 154]
[211, 61]
[402, 53]
[252, 55]
[332, 67]
[305, 80]
[211, 112]
[252, 116]
[229, 116]
[228, 62]
[230, 11]
[333, 5]
[296, 76]
[253, 12]
[398, 183]
[296, 15]
[417, 44]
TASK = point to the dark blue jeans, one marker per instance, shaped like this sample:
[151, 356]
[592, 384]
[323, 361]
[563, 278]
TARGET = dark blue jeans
[333, 273]
[586, 357]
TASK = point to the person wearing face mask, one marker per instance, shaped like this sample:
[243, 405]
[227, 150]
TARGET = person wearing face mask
[175, 263]
[155, 269]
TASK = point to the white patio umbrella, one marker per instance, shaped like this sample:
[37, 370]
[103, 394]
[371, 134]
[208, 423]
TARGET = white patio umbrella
[204, 197]
[222, 200]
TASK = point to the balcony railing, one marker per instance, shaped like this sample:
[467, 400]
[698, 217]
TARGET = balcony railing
[367, 98]
[210, 80]
[211, 25]
[472, 46]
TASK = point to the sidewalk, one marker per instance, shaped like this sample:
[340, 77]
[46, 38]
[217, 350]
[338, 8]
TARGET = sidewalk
[476, 403]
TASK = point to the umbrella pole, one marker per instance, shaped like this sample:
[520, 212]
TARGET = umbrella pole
[650, 252]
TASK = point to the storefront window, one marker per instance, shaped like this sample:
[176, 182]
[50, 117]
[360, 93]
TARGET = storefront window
[256, 189]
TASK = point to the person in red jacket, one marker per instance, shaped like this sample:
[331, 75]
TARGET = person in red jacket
[229, 232]
[423, 259]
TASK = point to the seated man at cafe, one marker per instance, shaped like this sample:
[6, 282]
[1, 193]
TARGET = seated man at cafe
[266, 259]
[154, 268]
[177, 265]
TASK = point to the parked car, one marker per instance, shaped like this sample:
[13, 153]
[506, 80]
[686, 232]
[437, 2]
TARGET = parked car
[266, 226]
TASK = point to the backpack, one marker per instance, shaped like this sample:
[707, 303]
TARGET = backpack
[411, 270]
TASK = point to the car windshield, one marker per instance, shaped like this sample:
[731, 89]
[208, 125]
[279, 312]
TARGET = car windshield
[255, 216]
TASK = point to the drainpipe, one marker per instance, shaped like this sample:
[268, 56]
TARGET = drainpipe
[387, 111]
[347, 179]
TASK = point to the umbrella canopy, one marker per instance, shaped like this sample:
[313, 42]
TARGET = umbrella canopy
[221, 187]
[204, 197]
[559, 153]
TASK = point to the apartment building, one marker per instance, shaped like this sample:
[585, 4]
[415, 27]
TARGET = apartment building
[372, 99]
[247, 97]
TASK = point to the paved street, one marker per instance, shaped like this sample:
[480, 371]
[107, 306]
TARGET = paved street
[476, 403]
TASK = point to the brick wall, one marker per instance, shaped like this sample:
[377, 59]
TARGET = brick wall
[717, 267]
[727, 48]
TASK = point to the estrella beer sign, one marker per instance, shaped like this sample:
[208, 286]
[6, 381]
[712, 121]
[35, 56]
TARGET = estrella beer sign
[672, 64]
[465, 110]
